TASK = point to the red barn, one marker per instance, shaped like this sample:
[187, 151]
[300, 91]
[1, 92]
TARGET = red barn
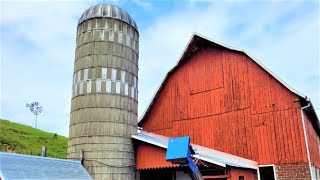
[247, 123]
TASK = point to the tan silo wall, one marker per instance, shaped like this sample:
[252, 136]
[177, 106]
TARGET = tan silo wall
[105, 98]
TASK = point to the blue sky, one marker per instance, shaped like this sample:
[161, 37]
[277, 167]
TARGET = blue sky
[38, 43]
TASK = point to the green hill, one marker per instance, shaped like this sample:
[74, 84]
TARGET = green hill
[22, 139]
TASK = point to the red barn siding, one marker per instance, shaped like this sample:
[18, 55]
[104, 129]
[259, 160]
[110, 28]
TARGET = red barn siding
[225, 101]
[313, 143]
[235, 173]
[145, 151]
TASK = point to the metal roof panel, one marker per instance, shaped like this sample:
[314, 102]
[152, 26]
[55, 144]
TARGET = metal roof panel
[203, 153]
[18, 166]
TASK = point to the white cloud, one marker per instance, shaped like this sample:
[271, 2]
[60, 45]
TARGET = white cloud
[162, 43]
[38, 41]
[144, 4]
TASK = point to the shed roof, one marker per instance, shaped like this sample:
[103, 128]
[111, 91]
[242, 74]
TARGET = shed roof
[205, 154]
[18, 166]
[195, 41]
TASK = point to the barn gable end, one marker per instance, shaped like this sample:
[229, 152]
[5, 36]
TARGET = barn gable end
[227, 101]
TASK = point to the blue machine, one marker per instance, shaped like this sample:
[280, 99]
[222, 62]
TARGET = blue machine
[179, 151]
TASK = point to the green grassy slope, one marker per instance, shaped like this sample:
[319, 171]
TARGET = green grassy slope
[24, 139]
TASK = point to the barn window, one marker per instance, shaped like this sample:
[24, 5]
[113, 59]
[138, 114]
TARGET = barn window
[266, 172]
[241, 177]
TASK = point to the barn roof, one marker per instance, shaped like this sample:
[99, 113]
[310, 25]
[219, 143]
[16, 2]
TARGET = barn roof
[205, 154]
[18, 166]
[192, 46]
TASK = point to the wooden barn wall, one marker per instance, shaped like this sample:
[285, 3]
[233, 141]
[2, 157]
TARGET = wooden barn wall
[151, 157]
[313, 143]
[225, 101]
[236, 173]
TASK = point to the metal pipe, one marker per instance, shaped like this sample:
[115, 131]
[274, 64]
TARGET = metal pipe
[305, 136]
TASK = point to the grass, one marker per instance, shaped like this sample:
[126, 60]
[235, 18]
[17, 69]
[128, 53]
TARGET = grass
[22, 139]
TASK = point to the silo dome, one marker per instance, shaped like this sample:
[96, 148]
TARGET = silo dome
[107, 11]
[104, 101]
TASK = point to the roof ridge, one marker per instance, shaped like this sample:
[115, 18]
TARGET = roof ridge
[38, 157]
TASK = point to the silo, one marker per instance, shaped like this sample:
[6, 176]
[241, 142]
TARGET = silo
[105, 93]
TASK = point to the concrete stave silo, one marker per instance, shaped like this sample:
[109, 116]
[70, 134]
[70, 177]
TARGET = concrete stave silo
[105, 93]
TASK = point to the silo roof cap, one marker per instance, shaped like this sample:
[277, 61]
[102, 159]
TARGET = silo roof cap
[108, 11]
